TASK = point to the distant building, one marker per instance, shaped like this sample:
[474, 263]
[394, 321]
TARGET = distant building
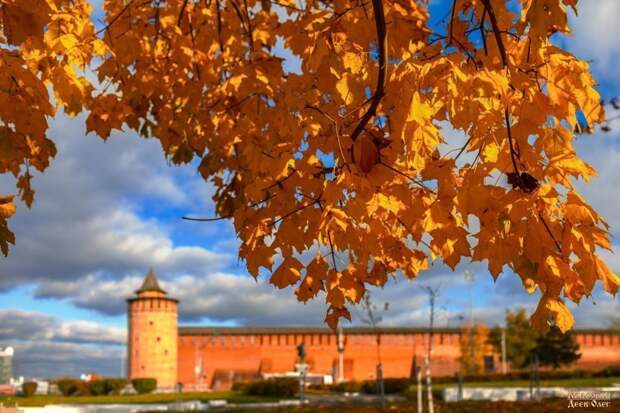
[6, 365]
[216, 357]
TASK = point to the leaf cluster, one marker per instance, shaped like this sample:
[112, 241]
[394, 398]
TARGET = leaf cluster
[346, 170]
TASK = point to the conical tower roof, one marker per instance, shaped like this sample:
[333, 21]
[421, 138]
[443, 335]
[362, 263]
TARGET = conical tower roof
[150, 283]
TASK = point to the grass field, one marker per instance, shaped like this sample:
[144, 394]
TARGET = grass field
[590, 382]
[236, 397]
[43, 400]
[548, 406]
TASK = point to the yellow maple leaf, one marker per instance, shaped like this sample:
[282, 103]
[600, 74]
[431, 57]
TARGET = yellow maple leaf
[288, 273]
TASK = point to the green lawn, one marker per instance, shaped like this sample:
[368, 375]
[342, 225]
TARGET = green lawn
[236, 397]
[591, 382]
[231, 397]
[546, 406]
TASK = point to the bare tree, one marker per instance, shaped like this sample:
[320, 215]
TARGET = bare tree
[373, 319]
[432, 296]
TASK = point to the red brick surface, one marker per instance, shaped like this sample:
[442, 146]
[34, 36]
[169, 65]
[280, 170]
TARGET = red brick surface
[213, 358]
[152, 338]
[222, 358]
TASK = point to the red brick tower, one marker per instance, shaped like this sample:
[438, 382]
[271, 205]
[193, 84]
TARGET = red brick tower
[152, 334]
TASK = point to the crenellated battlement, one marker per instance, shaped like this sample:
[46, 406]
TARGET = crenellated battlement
[215, 357]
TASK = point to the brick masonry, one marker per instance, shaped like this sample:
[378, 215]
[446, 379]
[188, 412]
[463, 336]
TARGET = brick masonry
[213, 358]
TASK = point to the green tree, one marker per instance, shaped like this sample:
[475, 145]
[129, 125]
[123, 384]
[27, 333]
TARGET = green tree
[474, 347]
[144, 385]
[521, 338]
[556, 348]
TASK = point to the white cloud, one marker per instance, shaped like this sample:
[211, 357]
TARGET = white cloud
[48, 359]
[596, 33]
[26, 326]
[93, 214]
[46, 346]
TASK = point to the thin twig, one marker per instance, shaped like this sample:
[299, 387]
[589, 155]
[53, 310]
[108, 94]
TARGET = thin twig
[207, 219]
[331, 246]
[293, 212]
[512, 150]
[412, 179]
[115, 18]
[557, 244]
[336, 130]
[463, 148]
[248, 30]
[267, 197]
[286, 6]
[482, 32]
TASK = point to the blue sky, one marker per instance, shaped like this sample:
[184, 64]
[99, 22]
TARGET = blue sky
[107, 211]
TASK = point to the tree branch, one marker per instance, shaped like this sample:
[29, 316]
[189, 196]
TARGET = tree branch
[219, 25]
[182, 12]
[377, 6]
[452, 14]
[496, 31]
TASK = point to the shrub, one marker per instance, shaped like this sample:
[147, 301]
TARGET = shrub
[68, 387]
[97, 387]
[346, 387]
[83, 388]
[239, 386]
[390, 386]
[115, 385]
[278, 387]
[144, 385]
[29, 388]
[609, 371]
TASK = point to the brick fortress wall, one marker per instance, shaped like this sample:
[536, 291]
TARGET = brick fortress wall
[226, 355]
[214, 358]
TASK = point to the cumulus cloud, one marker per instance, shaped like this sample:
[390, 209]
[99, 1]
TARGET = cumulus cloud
[93, 213]
[46, 359]
[46, 346]
[25, 326]
[596, 33]
[224, 297]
